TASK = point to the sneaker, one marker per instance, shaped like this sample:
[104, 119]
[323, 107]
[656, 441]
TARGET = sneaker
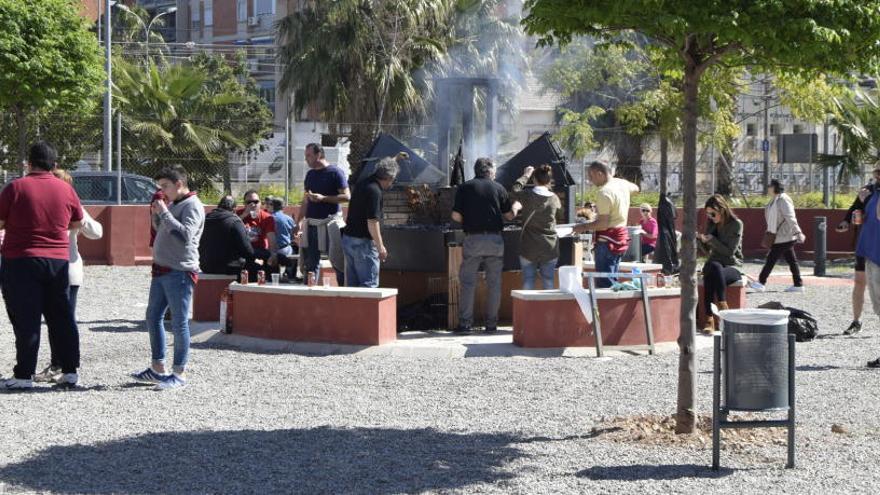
[796, 288]
[462, 330]
[757, 286]
[18, 384]
[491, 330]
[149, 376]
[48, 375]
[171, 381]
[874, 364]
[854, 328]
[67, 380]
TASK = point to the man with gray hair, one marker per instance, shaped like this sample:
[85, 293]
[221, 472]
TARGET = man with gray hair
[362, 236]
[481, 206]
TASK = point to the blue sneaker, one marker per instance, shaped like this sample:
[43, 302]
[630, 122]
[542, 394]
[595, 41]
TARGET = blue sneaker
[149, 376]
[171, 381]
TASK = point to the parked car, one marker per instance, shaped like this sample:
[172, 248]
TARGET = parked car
[99, 188]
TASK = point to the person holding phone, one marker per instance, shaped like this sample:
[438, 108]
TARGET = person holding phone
[723, 244]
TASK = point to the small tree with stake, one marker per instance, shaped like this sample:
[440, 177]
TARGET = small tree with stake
[794, 36]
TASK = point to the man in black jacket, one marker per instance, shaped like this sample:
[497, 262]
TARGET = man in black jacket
[224, 241]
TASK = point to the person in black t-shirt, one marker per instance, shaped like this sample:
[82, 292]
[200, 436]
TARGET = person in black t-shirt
[362, 237]
[481, 206]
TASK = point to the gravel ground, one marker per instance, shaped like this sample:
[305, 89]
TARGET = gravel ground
[268, 422]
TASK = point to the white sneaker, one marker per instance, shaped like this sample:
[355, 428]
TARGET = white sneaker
[67, 380]
[757, 286]
[171, 382]
[18, 384]
[796, 288]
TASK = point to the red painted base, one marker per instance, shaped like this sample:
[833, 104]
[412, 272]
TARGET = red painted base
[206, 296]
[295, 313]
[735, 295]
[560, 322]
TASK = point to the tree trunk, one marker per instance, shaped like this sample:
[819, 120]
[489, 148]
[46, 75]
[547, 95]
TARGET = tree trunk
[687, 375]
[629, 157]
[21, 122]
[664, 165]
[360, 139]
[724, 171]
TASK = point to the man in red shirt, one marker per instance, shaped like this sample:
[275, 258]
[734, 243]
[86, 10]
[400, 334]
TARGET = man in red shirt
[260, 227]
[37, 211]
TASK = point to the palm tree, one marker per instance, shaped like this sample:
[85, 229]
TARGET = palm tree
[357, 59]
[857, 120]
[169, 118]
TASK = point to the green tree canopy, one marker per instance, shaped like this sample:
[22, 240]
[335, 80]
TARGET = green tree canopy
[48, 59]
[794, 36]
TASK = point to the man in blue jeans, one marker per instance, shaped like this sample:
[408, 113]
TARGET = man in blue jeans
[362, 236]
[179, 228]
[36, 211]
[285, 229]
[612, 209]
[481, 206]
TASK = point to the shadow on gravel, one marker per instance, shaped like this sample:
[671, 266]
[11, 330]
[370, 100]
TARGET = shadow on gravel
[115, 326]
[316, 460]
[639, 472]
[810, 367]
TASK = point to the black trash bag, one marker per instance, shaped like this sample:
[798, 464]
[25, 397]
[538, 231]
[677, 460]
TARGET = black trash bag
[801, 323]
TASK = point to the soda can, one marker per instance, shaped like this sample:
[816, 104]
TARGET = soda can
[310, 279]
[243, 277]
[660, 280]
[261, 277]
[857, 217]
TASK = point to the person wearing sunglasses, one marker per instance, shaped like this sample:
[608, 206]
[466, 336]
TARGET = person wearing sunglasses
[649, 231]
[722, 242]
[260, 227]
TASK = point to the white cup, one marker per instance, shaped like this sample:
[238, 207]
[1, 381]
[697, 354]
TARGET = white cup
[276, 278]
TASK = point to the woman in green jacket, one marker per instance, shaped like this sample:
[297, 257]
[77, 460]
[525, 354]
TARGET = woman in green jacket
[539, 244]
[723, 243]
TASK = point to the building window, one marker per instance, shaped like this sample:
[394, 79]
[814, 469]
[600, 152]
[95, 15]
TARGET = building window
[209, 14]
[774, 129]
[264, 7]
[798, 129]
[197, 17]
[267, 93]
[242, 10]
[750, 130]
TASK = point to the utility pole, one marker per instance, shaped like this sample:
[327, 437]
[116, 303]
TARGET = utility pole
[826, 171]
[108, 96]
[765, 145]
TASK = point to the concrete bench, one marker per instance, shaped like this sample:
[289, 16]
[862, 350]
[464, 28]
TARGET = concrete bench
[206, 296]
[735, 294]
[553, 318]
[339, 315]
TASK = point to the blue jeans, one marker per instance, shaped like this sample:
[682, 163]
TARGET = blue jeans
[286, 267]
[174, 290]
[486, 250]
[361, 262]
[607, 262]
[530, 271]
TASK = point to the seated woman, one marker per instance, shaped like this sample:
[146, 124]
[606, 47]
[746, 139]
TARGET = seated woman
[723, 244]
[539, 244]
[650, 231]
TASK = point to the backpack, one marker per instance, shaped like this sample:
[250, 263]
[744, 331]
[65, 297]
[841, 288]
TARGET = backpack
[801, 323]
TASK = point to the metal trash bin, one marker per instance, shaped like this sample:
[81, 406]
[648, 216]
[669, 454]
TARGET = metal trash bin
[755, 359]
[634, 251]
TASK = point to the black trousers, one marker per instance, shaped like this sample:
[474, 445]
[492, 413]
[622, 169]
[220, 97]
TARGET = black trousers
[786, 250]
[716, 278]
[72, 292]
[36, 288]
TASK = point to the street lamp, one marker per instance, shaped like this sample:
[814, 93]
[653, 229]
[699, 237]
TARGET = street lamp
[146, 26]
